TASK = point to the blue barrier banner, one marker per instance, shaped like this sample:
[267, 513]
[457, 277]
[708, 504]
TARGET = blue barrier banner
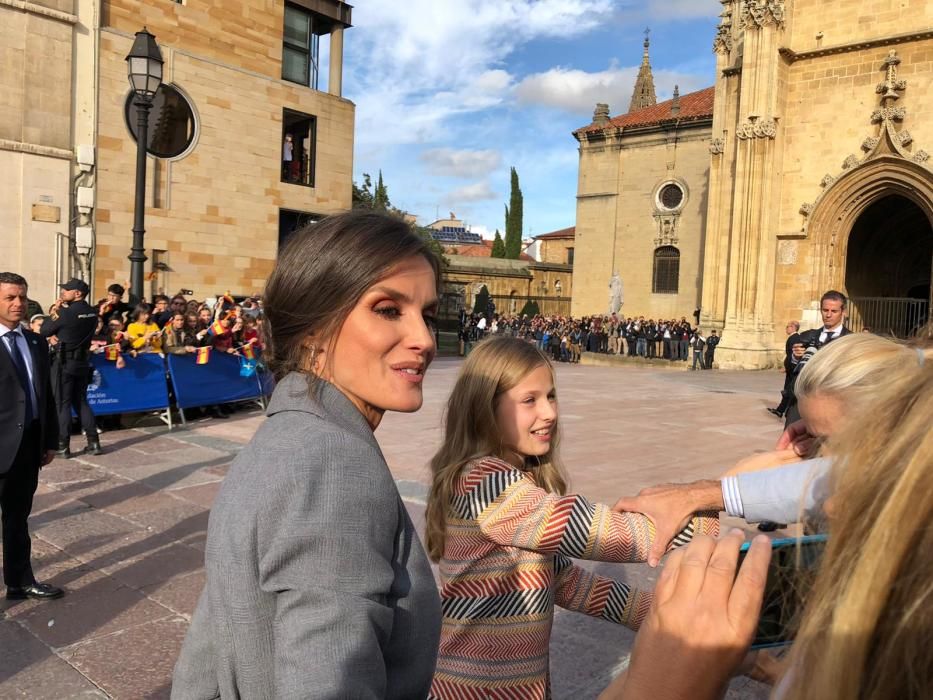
[218, 381]
[139, 386]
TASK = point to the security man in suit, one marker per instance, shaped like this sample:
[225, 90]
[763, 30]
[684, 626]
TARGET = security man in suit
[28, 435]
[833, 312]
[71, 370]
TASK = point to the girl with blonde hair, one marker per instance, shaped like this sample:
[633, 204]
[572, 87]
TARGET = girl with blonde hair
[504, 531]
[867, 628]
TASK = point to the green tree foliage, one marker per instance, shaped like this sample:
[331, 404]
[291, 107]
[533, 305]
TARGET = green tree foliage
[381, 196]
[513, 220]
[364, 197]
[498, 246]
[530, 309]
[482, 301]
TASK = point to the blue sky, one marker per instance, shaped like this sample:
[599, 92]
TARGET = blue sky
[447, 103]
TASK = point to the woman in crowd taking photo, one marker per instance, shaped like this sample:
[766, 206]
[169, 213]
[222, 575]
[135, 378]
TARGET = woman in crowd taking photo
[504, 530]
[143, 334]
[316, 582]
[866, 627]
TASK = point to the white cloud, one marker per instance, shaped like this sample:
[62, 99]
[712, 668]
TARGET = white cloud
[477, 192]
[461, 163]
[578, 91]
[411, 68]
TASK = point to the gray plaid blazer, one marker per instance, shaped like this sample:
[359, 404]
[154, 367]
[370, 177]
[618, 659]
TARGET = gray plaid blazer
[317, 584]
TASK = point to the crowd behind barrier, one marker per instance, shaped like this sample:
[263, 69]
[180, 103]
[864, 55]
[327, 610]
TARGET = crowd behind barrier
[174, 352]
[565, 338]
[143, 383]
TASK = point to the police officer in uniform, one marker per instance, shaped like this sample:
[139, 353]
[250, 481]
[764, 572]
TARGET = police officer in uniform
[71, 368]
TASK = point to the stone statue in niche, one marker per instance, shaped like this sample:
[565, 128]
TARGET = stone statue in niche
[615, 293]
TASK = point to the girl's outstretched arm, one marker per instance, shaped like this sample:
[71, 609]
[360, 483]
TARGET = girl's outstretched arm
[512, 511]
[598, 596]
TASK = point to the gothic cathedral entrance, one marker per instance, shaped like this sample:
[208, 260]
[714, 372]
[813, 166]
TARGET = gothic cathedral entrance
[889, 261]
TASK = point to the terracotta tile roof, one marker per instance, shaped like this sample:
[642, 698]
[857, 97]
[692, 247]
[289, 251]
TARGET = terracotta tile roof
[478, 251]
[562, 233]
[694, 106]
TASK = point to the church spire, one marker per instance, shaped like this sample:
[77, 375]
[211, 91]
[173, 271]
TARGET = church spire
[644, 96]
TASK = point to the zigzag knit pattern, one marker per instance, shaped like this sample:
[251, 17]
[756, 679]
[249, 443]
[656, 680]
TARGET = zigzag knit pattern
[507, 562]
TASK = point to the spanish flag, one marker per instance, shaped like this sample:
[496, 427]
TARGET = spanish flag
[248, 352]
[217, 328]
[112, 352]
[204, 354]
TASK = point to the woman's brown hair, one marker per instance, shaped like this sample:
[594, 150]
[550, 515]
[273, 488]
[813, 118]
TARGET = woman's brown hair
[322, 272]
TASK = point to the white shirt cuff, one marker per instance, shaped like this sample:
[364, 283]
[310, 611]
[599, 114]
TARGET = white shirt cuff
[732, 497]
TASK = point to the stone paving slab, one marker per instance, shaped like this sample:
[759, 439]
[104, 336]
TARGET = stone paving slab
[124, 532]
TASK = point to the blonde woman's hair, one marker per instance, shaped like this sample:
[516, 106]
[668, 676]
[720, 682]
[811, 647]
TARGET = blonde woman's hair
[868, 627]
[855, 367]
[470, 430]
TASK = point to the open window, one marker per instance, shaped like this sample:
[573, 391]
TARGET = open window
[298, 147]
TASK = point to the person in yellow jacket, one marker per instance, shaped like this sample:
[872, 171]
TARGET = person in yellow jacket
[144, 335]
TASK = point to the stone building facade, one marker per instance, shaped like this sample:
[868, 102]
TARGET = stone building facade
[36, 154]
[239, 80]
[641, 207]
[810, 170]
[819, 178]
[557, 246]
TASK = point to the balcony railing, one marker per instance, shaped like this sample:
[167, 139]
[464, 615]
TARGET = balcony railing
[900, 317]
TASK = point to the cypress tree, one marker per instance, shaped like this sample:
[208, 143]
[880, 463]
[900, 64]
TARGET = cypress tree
[381, 196]
[530, 309]
[481, 305]
[498, 246]
[514, 215]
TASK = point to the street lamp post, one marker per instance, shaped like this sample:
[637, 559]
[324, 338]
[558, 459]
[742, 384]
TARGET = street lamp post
[144, 69]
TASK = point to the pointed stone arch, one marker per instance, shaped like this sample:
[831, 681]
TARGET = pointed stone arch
[837, 210]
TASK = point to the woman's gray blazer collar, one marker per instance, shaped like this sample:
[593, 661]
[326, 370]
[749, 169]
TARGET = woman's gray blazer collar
[325, 401]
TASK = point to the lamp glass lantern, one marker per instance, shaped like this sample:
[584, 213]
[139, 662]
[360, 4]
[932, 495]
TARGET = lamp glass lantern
[144, 65]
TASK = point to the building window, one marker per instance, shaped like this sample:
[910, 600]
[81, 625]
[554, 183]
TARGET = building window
[298, 145]
[665, 279]
[570, 256]
[291, 221]
[172, 123]
[300, 47]
[671, 196]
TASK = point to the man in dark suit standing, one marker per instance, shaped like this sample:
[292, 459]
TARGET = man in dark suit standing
[833, 311]
[28, 436]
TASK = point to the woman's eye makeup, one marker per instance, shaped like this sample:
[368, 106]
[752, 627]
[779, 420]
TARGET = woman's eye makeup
[387, 311]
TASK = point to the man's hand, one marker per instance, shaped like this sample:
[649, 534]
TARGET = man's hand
[796, 438]
[670, 507]
[47, 457]
[702, 619]
[797, 350]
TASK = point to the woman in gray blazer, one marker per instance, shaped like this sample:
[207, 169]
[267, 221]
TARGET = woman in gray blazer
[317, 584]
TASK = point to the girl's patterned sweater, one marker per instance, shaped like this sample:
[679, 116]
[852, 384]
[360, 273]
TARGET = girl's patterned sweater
[507, 562]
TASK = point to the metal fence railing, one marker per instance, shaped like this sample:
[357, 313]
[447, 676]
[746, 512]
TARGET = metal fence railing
[900, 317]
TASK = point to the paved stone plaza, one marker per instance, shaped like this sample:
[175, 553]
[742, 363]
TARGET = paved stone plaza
[124, 532]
